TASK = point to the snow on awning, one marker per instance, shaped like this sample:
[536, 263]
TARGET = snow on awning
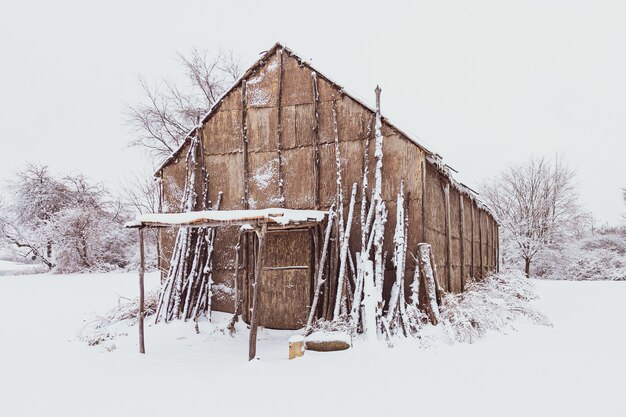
[212, 218]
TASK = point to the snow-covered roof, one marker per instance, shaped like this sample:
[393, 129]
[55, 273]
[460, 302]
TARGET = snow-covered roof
[276, 216]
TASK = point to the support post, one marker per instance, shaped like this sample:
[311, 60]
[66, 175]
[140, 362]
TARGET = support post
[244, 139]
[279, 133]
[424, 199]
[255, 297]
[480, 246]
[316, 151]
[497, 248]
[142, 346]
[472, 268]
[462, 229]
[446, 195]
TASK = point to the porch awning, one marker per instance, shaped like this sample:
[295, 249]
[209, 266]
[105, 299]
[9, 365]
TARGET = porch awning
[214, 218]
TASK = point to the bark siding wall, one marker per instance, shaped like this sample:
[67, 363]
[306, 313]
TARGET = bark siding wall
[280, 110]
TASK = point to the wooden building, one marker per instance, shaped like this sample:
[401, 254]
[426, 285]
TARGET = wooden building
[270, 142]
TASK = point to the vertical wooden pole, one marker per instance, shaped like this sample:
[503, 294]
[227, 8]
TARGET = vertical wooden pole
[244, 139]
[424, 200]
[316, 151]
[279, 133]
[258, 270]
[472, 267]
[497, 248]
[480, 246]
[142, 346]
[238, 290]
[334, 270]
[462, 229]
[494, 234]
[316, 258]
[446, 195]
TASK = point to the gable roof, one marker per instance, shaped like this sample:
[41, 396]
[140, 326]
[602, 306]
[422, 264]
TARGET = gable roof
[432, 157]
[249, 72]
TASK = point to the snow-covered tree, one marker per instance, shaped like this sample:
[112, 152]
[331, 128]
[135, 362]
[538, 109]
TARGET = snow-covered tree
[68, 224]
[537, 205]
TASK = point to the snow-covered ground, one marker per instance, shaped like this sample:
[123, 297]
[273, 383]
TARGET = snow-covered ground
[11, 268]
[576, 368]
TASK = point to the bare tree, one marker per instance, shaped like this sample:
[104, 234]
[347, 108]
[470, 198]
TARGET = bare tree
[536, 204]
[141, 193]
[170, 110]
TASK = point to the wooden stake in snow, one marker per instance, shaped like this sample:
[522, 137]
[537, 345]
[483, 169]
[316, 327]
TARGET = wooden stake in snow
[258, 270]
[370, 300]
[320, 272]
[340, 303]
[380, 216]
[338, 175]
[142, 346]
[399, 261]
[430, 285]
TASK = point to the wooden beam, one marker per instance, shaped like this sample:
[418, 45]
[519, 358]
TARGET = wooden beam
[446, 196]
[462, 230]
[244, 139]
[142, 346]
[316, 150]
[258, 270]
[279, 133]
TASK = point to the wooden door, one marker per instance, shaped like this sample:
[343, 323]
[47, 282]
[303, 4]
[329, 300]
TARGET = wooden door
[286, 282]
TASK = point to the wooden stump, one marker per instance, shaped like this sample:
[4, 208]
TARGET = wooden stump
[296, 347]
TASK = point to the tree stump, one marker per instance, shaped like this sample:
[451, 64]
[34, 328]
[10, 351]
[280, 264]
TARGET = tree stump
[296, 347]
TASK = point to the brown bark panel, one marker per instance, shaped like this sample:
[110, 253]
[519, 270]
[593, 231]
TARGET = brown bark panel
[262, 87]
[436, 222]
[295, 77]
[263, 179]
[226, 175]
[262, 129]
[297, 166]
[222, 132]
[223, 290]
[455, 240]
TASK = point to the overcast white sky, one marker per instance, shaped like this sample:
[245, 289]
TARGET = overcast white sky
[484, 83]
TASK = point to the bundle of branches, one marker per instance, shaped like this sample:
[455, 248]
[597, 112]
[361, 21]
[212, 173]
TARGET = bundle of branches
[494, 303]
[99, 329]
[186, 292]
